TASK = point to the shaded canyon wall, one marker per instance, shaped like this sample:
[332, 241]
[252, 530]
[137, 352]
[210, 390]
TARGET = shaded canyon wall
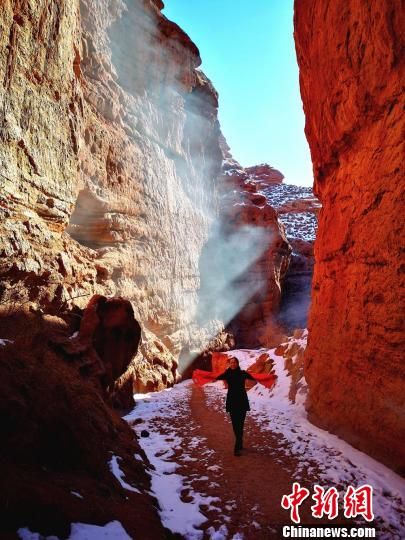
[247, 215]
[351, 62]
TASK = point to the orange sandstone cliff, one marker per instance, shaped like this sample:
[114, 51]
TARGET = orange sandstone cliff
[351, 62]
[110, 161]
[109, 156]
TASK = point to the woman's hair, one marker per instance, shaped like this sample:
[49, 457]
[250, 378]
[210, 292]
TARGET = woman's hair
[233, 358]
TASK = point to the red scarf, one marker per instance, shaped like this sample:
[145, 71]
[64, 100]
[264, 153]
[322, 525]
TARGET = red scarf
[201, 377]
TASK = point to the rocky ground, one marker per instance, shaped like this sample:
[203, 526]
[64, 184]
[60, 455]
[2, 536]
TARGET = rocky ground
[192, 481]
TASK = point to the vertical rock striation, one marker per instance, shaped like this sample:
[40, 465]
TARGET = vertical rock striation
[109, 154]
[351, 67]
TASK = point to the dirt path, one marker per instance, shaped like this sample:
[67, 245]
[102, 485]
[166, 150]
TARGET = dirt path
[235, 494]
[249, 488]
[257, 480]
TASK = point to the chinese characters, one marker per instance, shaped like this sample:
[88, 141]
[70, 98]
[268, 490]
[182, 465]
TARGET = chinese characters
[356, 502]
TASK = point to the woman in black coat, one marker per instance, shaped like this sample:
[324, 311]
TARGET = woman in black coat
[237, 403]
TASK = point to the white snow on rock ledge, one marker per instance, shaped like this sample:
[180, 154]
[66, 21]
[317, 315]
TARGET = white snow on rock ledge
[119, 475]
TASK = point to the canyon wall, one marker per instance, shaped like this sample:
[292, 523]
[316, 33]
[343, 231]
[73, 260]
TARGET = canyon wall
[244, 207]
[115, 229]
[351, 66]
[297, 209]
[109, 156]
[109, 153]
[63, 449]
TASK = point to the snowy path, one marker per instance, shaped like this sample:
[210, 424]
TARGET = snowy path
[207, 487]
[205, 492]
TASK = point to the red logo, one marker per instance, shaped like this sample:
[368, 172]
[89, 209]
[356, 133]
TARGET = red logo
[326, 502]
[294, 500]
[359, 502]
[356, 502]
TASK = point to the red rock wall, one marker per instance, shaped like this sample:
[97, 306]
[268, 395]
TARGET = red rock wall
[244, 210]
[59, 435]
[349, 55]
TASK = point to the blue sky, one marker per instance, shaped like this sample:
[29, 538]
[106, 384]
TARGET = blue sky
[247, 50]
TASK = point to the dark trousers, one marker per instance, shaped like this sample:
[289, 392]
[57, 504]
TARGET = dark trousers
[238, 421]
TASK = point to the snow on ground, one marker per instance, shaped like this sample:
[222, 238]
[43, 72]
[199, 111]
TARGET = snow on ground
[83, 531]
[173, 438]
[119, 475]
[112, 531]
[179, 514]
[338, 463]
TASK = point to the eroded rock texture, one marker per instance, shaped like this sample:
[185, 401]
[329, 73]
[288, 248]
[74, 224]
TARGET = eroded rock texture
[105, 347]
[109, 155]
[297, 209]
[60, 441]
[264, 174]
[351, 68]
[247, 216]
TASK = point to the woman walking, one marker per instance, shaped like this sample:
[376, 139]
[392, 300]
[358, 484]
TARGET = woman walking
[237, 402]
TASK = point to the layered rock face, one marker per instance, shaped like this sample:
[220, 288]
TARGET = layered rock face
[109, 154]
[351, 68]
[264, 174]
[246, 212]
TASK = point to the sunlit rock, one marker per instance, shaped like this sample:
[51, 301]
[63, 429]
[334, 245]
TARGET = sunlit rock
[351, 76]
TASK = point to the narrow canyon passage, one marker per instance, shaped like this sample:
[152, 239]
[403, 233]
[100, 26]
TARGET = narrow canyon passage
[220, 496]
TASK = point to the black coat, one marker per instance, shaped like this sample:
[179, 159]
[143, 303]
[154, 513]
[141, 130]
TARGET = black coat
[236, 398]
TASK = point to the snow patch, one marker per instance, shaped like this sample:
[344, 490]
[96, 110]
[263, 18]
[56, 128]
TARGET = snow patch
[25, 534]
[119, 475]
[83, 531]
[335, 461]
[340, 464]
[167, 485]
[220, 534]
[112, 531]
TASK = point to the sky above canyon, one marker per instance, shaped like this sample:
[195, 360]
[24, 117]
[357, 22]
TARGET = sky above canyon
[247, 50]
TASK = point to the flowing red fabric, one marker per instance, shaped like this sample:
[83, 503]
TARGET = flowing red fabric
[201, 377]
[266, 379]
